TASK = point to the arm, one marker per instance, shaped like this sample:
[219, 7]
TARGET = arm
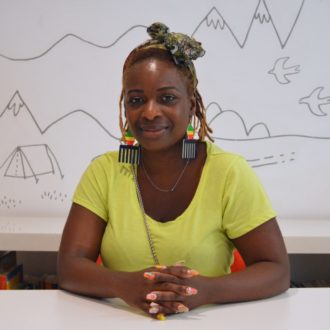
[79, 249]
[267, 272]
[78, 272]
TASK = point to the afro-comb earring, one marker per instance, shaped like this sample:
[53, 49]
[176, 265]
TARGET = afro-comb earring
[189, 145]
[128, 152]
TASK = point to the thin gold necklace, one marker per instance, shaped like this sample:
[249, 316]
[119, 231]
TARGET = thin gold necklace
[161, 189]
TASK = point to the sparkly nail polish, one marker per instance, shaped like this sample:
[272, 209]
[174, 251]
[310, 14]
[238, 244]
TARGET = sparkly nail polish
[192, 272]
[153, 310]
[191, 291]
[151, 296]
[149, 275]
[182, 308]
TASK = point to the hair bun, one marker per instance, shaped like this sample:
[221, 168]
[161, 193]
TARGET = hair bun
[158, 31]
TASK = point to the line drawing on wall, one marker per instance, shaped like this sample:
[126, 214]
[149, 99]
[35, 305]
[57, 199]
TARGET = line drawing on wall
[266, 99]
[17, 104]
[281, 72]
[74, 36]
[213, 18]
[31, 161]
[258, 131]
[314, 102]
[262, 14]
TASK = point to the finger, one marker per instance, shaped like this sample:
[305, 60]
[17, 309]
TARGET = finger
[182, 290]
[166, 308]
[158, 311]
[181, 271]
[160, 296]
[158, 277]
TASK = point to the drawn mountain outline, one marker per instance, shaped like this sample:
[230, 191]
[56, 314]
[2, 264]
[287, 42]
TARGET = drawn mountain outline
[78, 38]
[16, 105]
[262, 14]
[263, 133]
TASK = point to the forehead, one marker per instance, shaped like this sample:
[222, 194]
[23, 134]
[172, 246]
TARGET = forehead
[154, 71]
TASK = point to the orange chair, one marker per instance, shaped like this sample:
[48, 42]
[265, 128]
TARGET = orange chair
[99, 260]
[238, 263]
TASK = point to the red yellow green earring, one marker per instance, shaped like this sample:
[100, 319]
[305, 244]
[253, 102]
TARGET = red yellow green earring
[128, 152]
[189, 145]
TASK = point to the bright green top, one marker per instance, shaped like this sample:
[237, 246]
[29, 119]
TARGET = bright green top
[229, 202]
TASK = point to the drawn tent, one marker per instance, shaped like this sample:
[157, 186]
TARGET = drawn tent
[31, 161]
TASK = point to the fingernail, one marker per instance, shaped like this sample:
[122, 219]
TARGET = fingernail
[179, 263]
[182, 308]
[191, 291]
[161, 266]
[161, 317]
[149, 275]
[153, 310]
[153, 304]
[192, 272]
[151, 296]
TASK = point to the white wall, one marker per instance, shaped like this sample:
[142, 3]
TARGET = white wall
[60, 64]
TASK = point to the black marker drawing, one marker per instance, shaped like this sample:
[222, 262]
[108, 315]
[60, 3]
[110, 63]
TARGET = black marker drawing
[261, 14]
[314, 101]
[263, 130]
[9, 203]
[280, 71]
[248, 131]
[54, 196]
[16, 105]
[31, 161]
[271, 160]
[71, 35]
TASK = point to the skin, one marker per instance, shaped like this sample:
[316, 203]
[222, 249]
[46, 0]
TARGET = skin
[158, 106]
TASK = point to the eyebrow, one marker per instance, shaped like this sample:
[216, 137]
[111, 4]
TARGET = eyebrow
[167, 87]
[134, 91]
[159, 89]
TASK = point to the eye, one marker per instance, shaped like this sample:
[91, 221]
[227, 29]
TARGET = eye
[168, 98]
[135, 100]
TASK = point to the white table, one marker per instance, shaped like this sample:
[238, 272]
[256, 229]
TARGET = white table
[44, 234]
[297, 309]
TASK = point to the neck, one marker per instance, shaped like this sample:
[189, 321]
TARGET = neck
[166, 160]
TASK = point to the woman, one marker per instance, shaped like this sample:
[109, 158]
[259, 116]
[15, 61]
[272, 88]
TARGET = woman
[166, 225]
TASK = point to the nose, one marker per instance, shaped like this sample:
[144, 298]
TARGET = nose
[151, 110]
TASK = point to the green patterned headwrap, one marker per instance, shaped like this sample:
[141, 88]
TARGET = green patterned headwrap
[183, 48]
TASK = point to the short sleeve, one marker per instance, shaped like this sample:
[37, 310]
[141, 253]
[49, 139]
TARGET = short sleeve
[246, 204]
[92, 191]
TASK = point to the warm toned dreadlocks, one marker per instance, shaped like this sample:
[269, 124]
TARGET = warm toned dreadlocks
[180, 50]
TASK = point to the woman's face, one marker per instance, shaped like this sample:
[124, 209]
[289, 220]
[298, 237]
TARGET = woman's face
[158, 105]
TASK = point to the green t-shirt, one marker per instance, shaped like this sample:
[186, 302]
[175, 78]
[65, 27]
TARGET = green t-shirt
[229, 202]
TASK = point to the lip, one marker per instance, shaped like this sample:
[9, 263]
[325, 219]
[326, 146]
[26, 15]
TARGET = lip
[153, 131]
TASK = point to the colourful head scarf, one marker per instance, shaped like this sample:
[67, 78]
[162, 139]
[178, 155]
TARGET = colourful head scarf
[183, 48]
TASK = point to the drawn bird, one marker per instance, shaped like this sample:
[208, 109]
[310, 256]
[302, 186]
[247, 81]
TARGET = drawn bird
[314, 102]
[281, 72]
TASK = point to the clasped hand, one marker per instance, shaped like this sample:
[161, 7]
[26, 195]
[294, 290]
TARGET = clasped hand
[163, 289]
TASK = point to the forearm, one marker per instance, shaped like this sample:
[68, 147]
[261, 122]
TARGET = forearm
[260, 280]
[83, 276]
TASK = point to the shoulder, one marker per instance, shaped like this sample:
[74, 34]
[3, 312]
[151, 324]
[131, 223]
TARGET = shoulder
[224, 160]
[102, 167]
[105, 161]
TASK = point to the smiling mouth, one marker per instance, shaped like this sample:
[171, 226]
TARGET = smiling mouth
[154, 131]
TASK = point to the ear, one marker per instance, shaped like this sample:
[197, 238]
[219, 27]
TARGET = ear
[192, 106]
